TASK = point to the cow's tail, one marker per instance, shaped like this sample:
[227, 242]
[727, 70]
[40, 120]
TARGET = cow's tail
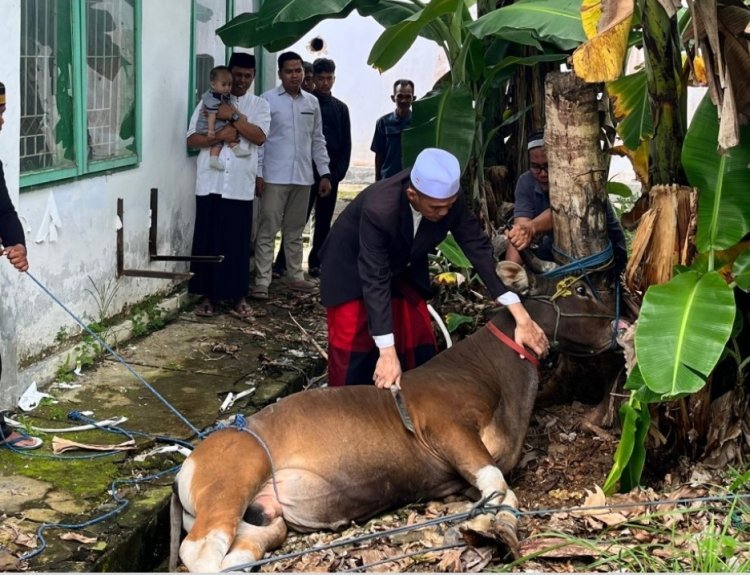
[175, 526]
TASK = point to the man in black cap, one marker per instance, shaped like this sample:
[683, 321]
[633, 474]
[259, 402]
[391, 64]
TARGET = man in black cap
[13, 246]
[224, 199]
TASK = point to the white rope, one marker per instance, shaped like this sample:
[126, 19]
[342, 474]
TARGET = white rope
[113, 421]
[439, 320]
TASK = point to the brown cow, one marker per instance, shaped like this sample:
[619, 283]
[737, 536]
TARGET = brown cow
[323, 458]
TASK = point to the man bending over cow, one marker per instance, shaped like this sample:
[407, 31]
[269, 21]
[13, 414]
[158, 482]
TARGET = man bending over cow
[375, 277]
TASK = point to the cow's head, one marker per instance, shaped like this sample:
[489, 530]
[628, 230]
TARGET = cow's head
[577, 316]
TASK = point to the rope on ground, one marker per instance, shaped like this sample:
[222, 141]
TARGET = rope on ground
[114, 354]
[480, 507]
[121, 505]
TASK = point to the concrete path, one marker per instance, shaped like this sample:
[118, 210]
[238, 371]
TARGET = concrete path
[193, 363]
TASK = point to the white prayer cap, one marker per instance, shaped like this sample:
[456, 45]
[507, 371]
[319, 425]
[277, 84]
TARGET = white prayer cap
[436, 173]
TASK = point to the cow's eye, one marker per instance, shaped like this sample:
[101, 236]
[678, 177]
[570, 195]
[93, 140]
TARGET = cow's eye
[581, 290]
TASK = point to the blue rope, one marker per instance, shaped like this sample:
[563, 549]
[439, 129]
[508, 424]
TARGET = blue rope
[582, 265]
[106, 346]
[121, 505]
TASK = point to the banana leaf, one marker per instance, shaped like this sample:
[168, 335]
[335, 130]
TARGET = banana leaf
[723, 181]
[280, 23]
[631, 451]
[452, 251]
[534, 22]
[453, 320]
[682, 330]
[301, 10]
[446, 119]
[396, 40]
[265, 28]
[631, 109]
[619, 189]
[390, 12]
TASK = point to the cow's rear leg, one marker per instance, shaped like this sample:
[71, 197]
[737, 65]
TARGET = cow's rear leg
[252, 541]
[208, 542]
[217, 497]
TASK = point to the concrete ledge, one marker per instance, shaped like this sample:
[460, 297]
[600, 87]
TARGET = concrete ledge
[44, 372]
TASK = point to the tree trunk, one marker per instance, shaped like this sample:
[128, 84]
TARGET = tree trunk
[577, 176]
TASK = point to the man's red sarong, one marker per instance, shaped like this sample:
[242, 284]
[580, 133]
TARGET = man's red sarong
[352, 353]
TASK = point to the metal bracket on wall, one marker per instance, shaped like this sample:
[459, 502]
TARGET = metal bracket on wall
[152, 255]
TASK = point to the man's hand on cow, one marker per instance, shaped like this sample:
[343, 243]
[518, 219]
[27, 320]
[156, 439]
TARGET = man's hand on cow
[388, 369]
[527, 332]
[521, 234]
[324, 188]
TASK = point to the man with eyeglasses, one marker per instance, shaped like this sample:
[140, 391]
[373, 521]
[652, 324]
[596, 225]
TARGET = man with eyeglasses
[532, 216]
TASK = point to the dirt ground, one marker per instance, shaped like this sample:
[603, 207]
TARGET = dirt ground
[565, 459]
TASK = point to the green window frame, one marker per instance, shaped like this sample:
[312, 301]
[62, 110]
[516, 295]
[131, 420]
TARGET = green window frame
[206, 48]
[80, 88]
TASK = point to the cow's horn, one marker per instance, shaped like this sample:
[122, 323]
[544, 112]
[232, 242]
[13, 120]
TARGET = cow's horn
[535, 264]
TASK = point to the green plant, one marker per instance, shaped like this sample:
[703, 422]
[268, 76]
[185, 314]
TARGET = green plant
[61, 335]
[147, 317]
[103, 297]
[63, 372]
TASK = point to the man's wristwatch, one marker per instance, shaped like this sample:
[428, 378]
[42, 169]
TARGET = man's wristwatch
[235, 116]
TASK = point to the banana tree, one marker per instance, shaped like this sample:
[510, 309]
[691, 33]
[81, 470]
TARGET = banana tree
[686, 323]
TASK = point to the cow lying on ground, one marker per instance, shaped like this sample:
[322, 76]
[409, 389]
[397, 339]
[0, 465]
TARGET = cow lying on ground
[323, 458]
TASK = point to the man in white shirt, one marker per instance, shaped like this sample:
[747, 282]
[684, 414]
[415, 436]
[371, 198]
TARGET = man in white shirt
[294, 143]
[224, 199]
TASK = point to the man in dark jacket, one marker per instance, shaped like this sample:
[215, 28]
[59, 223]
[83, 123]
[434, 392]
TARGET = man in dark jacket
[13, 246]
[374, 272]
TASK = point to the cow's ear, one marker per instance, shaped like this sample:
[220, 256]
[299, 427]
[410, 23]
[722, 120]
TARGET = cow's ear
[514, 276]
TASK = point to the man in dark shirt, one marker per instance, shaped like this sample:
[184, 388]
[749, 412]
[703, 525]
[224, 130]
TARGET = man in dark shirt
[532, 215]
[13, 246]
[338, 134]
[386, 143]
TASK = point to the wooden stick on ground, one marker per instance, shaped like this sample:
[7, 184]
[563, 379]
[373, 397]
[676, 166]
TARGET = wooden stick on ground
[316, 345]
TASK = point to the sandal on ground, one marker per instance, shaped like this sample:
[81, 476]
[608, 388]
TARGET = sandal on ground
[21, 441]
[241, 311]
[204, 309]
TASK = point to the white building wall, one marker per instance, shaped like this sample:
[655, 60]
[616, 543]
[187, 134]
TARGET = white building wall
[366, 91]
[86, 246]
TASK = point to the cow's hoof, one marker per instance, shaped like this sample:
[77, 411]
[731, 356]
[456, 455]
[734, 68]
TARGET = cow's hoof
[498, 530]
[505, 529]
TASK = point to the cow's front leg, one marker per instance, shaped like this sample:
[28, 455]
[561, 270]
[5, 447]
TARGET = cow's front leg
[495, 492]
[476, 465]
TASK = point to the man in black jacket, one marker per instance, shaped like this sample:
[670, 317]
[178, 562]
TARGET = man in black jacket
[374, 272]
[338, 134]
[13, 246]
